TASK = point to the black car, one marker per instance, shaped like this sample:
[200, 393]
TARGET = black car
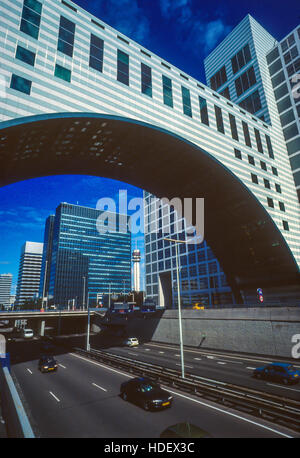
[47, 364]
[145, 392]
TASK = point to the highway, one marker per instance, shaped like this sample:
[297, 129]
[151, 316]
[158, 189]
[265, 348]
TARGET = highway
[210, 365]
[82, 400]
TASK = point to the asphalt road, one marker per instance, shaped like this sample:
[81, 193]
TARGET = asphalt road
[210, 365]
[82, 399]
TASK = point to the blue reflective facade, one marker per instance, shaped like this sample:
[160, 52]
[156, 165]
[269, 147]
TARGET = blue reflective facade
[86, 262]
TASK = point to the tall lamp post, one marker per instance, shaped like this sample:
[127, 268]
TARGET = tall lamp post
[83, 296]
[88, 326]
[179, 302]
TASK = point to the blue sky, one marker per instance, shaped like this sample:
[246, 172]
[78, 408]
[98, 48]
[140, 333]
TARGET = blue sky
[182, 32]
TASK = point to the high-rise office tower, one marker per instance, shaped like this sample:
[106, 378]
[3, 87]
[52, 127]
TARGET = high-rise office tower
[29, 272]
[47, 254]
[136, 259]
[86, 259]
[5, 289]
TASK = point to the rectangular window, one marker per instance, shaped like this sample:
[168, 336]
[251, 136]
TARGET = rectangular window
[269, 146]
[275, 67]
[237, 153]
[31, 18]
[285, 225]
[96, 53]
[233, 127]
[241, 59]
[290, 131]
[273, 55]
[281, 91]
[219, 119]
[246, 80]
[66, 36]
[63, 73]
[20, 84]
[218, 79]
[287, 117]
[275, 171]
[254, 178]
[270, 202]
[251, 103]
[146, 79]
[263, 165]
[251, 160]
[281, 206]
[278, 188]
[225, 93]
[284, 104]
[167, 91]
[258, 140]
[25, 55]
[123, 67]
[186, 101]
[203, 111]
[246, 134]
[267, 183]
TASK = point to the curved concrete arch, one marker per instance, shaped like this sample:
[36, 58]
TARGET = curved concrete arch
[242, 234]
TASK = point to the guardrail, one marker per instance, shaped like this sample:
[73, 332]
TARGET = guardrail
[276, 409]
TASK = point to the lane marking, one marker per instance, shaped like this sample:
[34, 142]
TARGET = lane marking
[99, 386]
[30, 372]
[198, 359]
[147, 349]
[191, 399]
[230, 413]
[221, 362]
[185, 365]
[62, 366]
[251, 368]
[210, 357]
[58, 400]
[285, 387]
[161, 352]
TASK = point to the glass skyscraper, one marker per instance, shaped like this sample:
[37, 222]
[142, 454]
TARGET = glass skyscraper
[86, 260]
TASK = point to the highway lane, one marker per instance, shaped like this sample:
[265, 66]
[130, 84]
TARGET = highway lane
[209, 365]
[82, 400]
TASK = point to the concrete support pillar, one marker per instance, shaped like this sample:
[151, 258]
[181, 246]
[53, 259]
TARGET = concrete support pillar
[41, 328]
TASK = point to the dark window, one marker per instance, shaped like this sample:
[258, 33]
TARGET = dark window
[284, 104]
[203, 111]
[25, 55]
[294, 67]
[167, 91]
[218, 79]
[186, 101]
[258, 140]
[290, 55]
[63, 73]
[240, 59]
[233, 127]
[31, 18]
[263, 165]
[66, 36]
[246, 134]
[281, 91]
[251, 103]
[251, 160]
[270, 202]
[275, 67]
[237, 153]
[274, 171]
[219, 119]
[295, 162]
[293, 146]
[273, 55]
[267, 183]
[277, 79]
[278, 188]
[282, 206]
[254, 178]
[96, 53]
[226, 93]
[123, 67]
[269, 146]
[146, 79]
[246, 80]
[285, 225]
[287, 117]
[20, 84]
[290, 131]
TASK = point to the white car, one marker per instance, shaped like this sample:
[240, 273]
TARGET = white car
[27, 333]
[131, 342]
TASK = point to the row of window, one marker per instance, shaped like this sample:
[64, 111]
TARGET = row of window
[251, 160]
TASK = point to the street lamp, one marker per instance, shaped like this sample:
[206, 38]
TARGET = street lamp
[179, 302]
[83, 296]
[88, 326]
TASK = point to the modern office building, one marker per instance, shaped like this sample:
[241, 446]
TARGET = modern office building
[136, 259]
[47, 256]
[202, 280]
[5, 289]
[284, 67]
[80, 97]
[86, 260]
[29, 272]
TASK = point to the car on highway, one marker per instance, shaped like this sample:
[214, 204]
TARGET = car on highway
[27, 333]
[280, 372]
[47, 364]
[131, 342]
[146, 393]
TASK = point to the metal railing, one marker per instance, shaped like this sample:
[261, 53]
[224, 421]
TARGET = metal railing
[277, 409]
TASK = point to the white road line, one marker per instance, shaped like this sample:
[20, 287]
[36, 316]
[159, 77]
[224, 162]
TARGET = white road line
[62, 366]
[58, 400]
[185, 365]
[30, 372]
[210, 357]
[197, 359]
[221, 362]
[191, 399]
[161, 352]
[285, 387]
[250, 368]
[147, 349]
[229, 413]
[99, 387]
[177, 355]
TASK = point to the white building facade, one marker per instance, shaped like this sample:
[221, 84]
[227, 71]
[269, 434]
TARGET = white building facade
[29, 272]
